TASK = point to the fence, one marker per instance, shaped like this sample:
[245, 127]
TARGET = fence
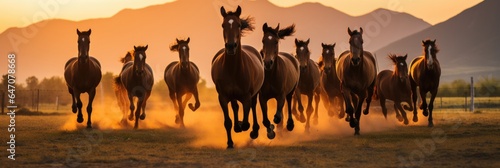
[60, 100]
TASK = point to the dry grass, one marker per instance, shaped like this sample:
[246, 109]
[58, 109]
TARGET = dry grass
[459, 139]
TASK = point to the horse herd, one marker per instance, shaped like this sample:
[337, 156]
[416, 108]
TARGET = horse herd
[242, 73]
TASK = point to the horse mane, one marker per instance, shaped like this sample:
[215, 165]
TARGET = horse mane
[175, 45]
[320, 62]
[433, 43]
[129, 54]
[393, 58]
[288, 31]
[268, 29]
[247, 24]
[141, 48]
[356, 32]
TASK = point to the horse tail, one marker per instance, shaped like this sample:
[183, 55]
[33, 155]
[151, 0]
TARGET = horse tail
[375, 93]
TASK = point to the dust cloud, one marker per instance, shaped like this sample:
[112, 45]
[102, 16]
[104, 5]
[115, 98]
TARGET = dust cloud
[207, 123]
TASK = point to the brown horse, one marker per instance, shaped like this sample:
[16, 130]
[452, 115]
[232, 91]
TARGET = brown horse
[308, 82]
[330, 83]
[357, 72]
[238, 74]
[182, 79]
[281, 76]
[137, 78]
[425, 72]
[395, 86]
[82, 75]
[121, 91]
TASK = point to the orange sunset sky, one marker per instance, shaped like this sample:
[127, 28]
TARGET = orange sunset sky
[21, 13]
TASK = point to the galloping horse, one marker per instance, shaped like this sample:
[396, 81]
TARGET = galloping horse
[425, 72]
[82, 74]
[137, 77]
[330, 83]
[357, 72]
[308, 82]
[182, 79]
[281, 76]
[238, 74]
[121, 91]
[395, 86]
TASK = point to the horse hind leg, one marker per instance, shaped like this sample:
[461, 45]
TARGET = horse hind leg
[180, 111]
[183, 108]
[255, 128]
[73, 99]
[403, 112]
[382, 104]
[289, 124]
[396, 109]
[309, 111]
[227, 121]
[431, 107]
[143, 115]
[340, 102]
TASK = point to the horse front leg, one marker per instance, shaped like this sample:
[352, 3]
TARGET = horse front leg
[247, 104]
[89, 108]
[413, 86]
[143, 115]
[431, 106]
[73, 99]
[265, 119]
[132, 107]
[423, 103]
[227, 121]
[348, 105]
[398, 107]
[340, 101]
[361, 97]
[369, 98]
[289, 124]
[316, 100]
[255, 128]
[138, 112]
[237, 123]
[309, 110]
[79, 105]
[196, 99]
[298, 96]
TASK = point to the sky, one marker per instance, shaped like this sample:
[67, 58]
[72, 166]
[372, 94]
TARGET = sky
[21, 13]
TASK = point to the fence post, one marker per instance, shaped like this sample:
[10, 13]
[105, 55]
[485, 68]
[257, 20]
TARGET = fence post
[3, 101]
[465, 101]
[37, 100]
[472, 94]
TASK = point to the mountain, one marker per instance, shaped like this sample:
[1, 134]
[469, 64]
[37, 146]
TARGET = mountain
[467, 42]
[43, 48]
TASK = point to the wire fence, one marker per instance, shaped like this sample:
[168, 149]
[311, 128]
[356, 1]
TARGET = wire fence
[60, 100]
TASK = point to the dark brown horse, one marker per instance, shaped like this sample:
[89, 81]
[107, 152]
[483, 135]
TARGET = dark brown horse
[137, 78]
[425, 72]
[238, 74]
[82, 75]
[308, 82]
[281, 76]
[357, 72]
[330, 83]
[395, 86]
[182, 79]
[121, 91]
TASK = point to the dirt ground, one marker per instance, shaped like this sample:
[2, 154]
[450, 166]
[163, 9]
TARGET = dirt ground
[459, 139]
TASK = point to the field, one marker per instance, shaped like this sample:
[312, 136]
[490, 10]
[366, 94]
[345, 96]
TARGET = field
[459, 139]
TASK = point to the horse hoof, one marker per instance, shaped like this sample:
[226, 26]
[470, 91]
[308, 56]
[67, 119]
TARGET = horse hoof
[406, 122]
[315, 121]
[415, 119]
[245, 126]
[131, 118]
[135, 127]
[425, 112]
[341, 115]
[400, 119]
[302, 118]
[73, 109]
[356, 133]
[430, 124]
[177, 119]
[365, 111]
[89, 126]
[79, 119]
[271, 135]
[290, 125]
[237, 127]
[254, 134]
[353, 122]
[348, 118]
[276, 119]
[143, 116]
[229, 147]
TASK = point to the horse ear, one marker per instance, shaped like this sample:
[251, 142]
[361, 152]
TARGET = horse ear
[177, 40]
[264, 26]
[188, 39]
[238, 11]
[360, 30]
[90, 31]
[406, 56]
[296, 41]
[223, 11]
[423, 42]
[261, 53]
[307, 42]
[434, 41]
[78, 32]
[334, 45]
[322, 45]
[277, 28]
[145, 48]
[135, 48]
[349, 31]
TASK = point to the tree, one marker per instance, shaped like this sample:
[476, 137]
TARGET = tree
[32, 83]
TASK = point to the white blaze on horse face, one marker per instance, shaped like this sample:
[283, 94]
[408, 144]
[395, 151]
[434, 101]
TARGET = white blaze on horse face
[140, 57]
[83, 39]
[327, 51]
[270, 37]
[230, 21]
[429, 56]
[301, 48]
[401, 64]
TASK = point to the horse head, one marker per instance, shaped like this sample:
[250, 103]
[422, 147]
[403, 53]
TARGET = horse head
[270, 42]
[83, 45]
[328, 56]
[356, 45]
[182, 47]
[233, 26]
[139, 59]
[401, 68]
[430, 50]
[303, 54]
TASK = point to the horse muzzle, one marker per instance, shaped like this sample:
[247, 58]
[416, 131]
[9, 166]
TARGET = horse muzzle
[355, 61]
[231, 48]
[268, 65]
[328, 70]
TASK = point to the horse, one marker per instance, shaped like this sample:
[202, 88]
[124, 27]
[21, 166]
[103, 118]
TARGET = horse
[395, 86]
[137, 78]
[281, 76]
[82, 75]
[121, 91]
[425, 72]
[182, 78]
[238, 74]
[357, 71]
[330, 83]
[308, 82]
